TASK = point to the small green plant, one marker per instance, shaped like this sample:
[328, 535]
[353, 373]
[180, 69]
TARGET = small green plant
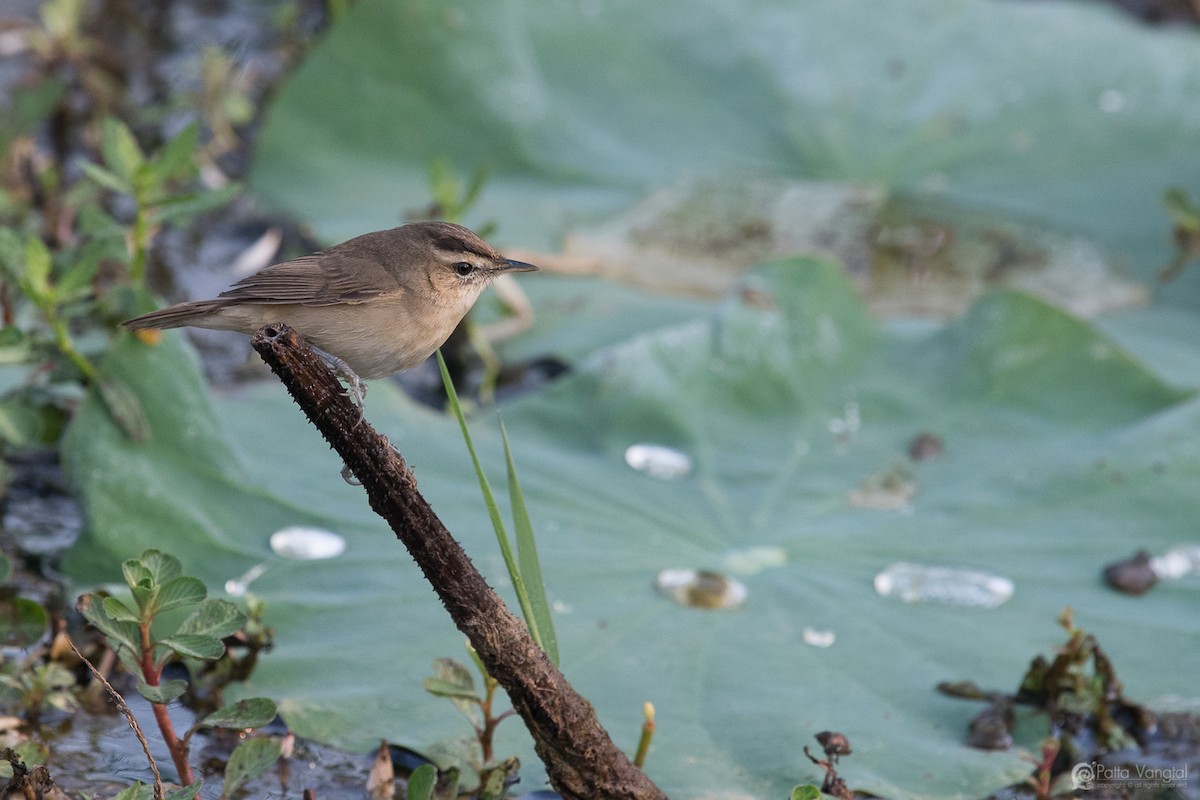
[1042, 779]
[451, 679]
[145, 644]
[28, 686]
[648, 728]
[156, 183]
[33, 688]
[451, 197]
[69, 271]
[1083, 699]
[454, 682]
[422, 782]
[524, 568]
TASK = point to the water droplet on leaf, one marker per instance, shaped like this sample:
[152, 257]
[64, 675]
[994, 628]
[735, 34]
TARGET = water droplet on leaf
[307, 544]
[1177, 562]
[819, 637]
[237, 587]
[658, 461]
[921, 583]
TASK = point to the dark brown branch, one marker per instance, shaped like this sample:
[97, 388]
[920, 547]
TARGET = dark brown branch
[580, 758]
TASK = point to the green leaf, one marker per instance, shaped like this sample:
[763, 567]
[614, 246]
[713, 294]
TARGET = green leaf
[198, 646]
[489, 500]
[122, 154]
[183, 206]
[178, 157]
[250, 713]
[1074, 133]
[186, 792]
[181, 591]
[806, 792]
[454, 682]
[422, 782]
[76, 279]
[146, 599]
[216, 618]
[106, 179]
[441, 688]
[164, 692]
[5, 568]
[137, 574]
[121, 634]
[252, 758]
[527, 557]
[786, 399]
[35, 279]
[161, 567]
[137, 791]
[117, 611]
[12, 251]
[24, 622]
[30, 104]
[20, 424]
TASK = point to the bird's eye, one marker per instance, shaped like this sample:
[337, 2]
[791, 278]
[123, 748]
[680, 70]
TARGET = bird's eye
[463, 268]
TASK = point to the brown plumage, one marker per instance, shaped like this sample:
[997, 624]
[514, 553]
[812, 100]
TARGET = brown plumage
[380, 303]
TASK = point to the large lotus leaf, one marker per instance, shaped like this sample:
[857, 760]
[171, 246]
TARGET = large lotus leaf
[1062, 453]
[1067, 111]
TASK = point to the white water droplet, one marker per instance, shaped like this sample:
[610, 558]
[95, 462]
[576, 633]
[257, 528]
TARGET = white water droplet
[237, 587]
[307, 544]
[701, 588]
[1177, 562]
[658, 461]
[921, 583]
[819, 637]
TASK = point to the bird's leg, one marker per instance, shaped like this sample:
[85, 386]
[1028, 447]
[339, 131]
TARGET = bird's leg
[356, 387]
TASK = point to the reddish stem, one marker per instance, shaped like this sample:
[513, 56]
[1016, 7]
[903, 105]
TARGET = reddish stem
[489, 723]
[152, 673]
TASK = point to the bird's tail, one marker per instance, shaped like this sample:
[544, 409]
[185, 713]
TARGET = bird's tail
[176, 316]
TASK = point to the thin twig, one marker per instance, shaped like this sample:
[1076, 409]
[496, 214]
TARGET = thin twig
[159, 790]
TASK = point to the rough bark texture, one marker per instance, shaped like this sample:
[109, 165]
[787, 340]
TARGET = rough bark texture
[580, 758]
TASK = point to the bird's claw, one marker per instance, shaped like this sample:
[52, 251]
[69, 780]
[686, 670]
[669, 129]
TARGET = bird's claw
[356, 387]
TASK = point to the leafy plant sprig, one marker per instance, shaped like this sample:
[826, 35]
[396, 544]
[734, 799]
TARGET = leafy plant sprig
[453, 681]
[152, 182]
[157, 585]
[78, 269]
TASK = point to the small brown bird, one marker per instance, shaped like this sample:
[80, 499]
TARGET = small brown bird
[375, 305]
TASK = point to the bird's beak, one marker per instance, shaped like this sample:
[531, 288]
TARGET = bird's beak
[508, 265]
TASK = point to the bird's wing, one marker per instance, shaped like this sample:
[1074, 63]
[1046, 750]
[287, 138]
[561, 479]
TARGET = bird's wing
[317, 280]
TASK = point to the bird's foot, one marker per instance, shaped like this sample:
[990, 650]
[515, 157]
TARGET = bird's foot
[356, 387]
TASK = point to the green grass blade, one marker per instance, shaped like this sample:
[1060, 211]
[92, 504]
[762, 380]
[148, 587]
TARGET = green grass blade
[489, 499]
[527, 556]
